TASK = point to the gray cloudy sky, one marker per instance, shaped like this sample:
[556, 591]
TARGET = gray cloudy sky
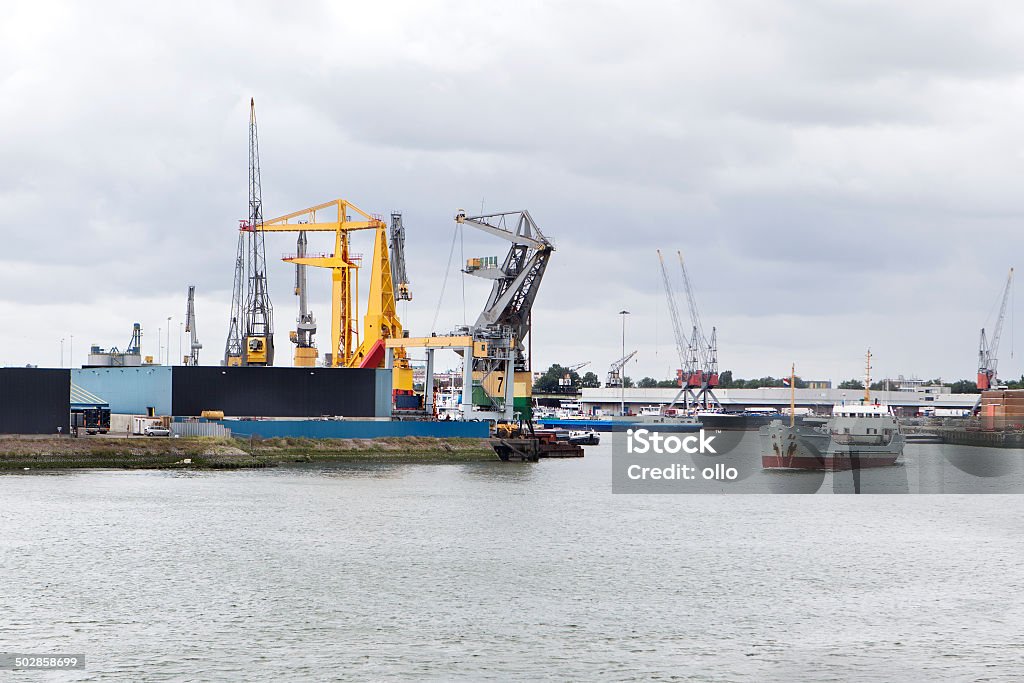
[839, 174]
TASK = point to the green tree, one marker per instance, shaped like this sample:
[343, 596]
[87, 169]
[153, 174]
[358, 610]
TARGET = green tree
[589, 381]
[725, 379]
[647, 383]
[627, 382]
[966, 386]
[668, 384]
[549, 382]
[851, 384]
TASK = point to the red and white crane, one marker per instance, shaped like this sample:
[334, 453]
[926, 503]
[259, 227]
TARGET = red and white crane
[988, 347]
[698, 355]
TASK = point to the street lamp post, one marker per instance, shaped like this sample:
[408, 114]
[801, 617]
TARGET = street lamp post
[62, 351]
[622, 370]
[71, 352]
[169, 362]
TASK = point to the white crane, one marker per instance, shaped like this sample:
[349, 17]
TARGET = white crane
[615, 377]
[705, 354]
[190, 326]
[399, 277]
[692, 389]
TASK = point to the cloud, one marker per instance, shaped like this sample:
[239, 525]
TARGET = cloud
[838, 174]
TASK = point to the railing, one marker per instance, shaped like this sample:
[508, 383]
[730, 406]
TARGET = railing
[861, 439]
[323, 254]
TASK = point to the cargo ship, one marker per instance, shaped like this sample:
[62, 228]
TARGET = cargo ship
[855, 437]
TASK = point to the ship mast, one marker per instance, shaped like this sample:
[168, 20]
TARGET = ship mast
[792, 396]
[867, 379]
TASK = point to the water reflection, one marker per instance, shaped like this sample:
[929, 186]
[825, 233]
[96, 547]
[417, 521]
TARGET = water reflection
[500, 471]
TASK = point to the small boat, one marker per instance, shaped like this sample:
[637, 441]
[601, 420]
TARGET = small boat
[585, 438]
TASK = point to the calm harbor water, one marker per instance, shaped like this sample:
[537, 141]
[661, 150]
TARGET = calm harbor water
[503, 571]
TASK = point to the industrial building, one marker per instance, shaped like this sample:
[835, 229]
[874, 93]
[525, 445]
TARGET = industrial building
[46, 398]
[35, 401]
[241, 391]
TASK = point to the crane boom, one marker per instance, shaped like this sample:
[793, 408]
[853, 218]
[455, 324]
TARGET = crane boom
[988, 348]
[233, 345]
[514, 290]
[305, 324]
[399, 277]
[997, 334]
[682, 343]
[705, 348]
[691, 302]
[190, 326]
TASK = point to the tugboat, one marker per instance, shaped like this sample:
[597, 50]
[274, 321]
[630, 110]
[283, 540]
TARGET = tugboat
[524, 443]
[855, 437]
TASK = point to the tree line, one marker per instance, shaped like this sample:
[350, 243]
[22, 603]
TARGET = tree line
[553, 380]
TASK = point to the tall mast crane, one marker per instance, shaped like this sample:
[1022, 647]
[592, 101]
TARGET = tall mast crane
[988, 348]
[190, 326]
[305, 327]
[705, 349]
[615, 378]
[259, 313]
[399, 277]
[233, 345]
[684, 347]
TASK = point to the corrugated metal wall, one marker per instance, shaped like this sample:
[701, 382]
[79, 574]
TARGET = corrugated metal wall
[277, 392]
[354, 429]
[129, 390]
[34, 400]
[200, 429]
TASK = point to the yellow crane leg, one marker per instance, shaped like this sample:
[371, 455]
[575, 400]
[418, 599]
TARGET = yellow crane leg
[338, 282]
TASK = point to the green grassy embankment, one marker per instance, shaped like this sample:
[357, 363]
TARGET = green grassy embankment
[52, 452]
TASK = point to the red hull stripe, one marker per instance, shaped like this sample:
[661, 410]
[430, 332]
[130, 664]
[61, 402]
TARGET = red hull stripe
[826, 463]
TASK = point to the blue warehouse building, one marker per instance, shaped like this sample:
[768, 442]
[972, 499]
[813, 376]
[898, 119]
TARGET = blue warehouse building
[142, 390]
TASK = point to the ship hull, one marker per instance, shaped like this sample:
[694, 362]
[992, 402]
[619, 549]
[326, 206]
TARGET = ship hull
[809, 448]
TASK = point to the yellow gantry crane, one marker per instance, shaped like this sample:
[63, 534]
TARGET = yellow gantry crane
[381, 319]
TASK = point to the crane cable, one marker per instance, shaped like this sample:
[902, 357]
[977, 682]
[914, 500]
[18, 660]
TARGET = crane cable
[444, 282]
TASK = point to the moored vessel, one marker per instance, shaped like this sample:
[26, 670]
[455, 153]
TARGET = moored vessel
[854, 437]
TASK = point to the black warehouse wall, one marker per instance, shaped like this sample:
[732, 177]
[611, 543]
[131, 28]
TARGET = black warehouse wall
[273, 392]
[34, 400]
